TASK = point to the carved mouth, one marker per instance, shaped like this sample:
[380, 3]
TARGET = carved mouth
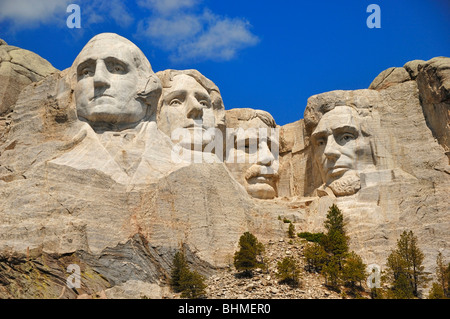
[95, 97]
[261, 179]
[194, 127]
[337, 170]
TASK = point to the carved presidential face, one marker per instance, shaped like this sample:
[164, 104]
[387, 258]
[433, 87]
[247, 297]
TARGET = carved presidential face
[340, 147]
[109, 72]
[254, 162]
[186, 104]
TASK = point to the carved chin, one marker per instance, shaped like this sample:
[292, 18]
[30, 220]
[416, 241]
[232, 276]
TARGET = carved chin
[261, 191]
[348, 184]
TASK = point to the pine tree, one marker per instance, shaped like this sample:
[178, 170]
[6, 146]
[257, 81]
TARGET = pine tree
[405, 269]
[335, 241]
[189, 283]
[192, 285]
[316, 257]
[288, 271]
[442, 273]
[246, 259]
[354, 269]
[436, 292]
[332, 273]
[291, 230]
[180, 267]
[447, 280]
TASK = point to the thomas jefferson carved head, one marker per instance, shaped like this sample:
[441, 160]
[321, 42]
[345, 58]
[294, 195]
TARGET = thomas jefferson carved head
[189, 101]
[115, 84]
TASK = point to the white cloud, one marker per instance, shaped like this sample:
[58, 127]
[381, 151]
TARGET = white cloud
[168, 6]
[198, 36]
[24, 14]
[97, 11]
[167, 32]
[30, 12]
[183, 28]
[221, 40]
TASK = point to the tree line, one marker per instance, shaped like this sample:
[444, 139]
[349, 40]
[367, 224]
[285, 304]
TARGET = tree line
[328, 253]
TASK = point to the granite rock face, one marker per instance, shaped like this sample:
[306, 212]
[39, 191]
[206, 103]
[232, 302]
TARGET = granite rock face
[114, 196]
[18, 68]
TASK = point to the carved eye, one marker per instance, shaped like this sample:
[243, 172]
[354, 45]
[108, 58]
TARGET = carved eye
[204, 103]
[320, 142]
[175, 102]
[118, 69]
[347, 137]
[86, 72]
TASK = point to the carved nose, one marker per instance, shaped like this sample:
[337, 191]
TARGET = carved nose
[101, 75]
[265, 156]
[331, 150]
[194, 109]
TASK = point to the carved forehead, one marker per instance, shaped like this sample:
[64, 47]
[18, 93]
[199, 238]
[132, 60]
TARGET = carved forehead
[340, 116]
[107, 45]
[183, 82]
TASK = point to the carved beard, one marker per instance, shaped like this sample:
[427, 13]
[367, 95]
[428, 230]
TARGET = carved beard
[347, 185]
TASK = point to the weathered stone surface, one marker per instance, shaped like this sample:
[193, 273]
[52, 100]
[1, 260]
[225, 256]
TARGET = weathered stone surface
[433, 80]
[253, 159]
[18, 68]
[406, 190]
[390, 77]
[114, 200]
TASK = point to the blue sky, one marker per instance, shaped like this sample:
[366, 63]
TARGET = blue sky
[270, 55]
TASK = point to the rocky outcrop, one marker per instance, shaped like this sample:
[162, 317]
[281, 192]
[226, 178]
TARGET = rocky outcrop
[18, 68]
[433, 81]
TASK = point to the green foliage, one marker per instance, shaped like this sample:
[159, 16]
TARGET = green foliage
[404, 267]
[436, 292]
[285, 220]
[291, 230]
[335, 220]
[316, 257]
[192, 285]
[329, 253]
[377, 293]
[354, 270]
[443, 275]
[189, 283]
[440, 289]
[247, 257]
[312, 237]
[335, 241]
[288, 271]
[332, 273]
[179, 266]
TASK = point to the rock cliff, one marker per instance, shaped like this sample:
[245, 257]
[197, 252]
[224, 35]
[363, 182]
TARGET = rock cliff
[117, 203]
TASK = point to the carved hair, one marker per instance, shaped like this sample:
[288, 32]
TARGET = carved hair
[166, 77]
[247, 114]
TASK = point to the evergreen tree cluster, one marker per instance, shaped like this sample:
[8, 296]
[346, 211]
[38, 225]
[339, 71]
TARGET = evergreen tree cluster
[189, 283]
[329, 253]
